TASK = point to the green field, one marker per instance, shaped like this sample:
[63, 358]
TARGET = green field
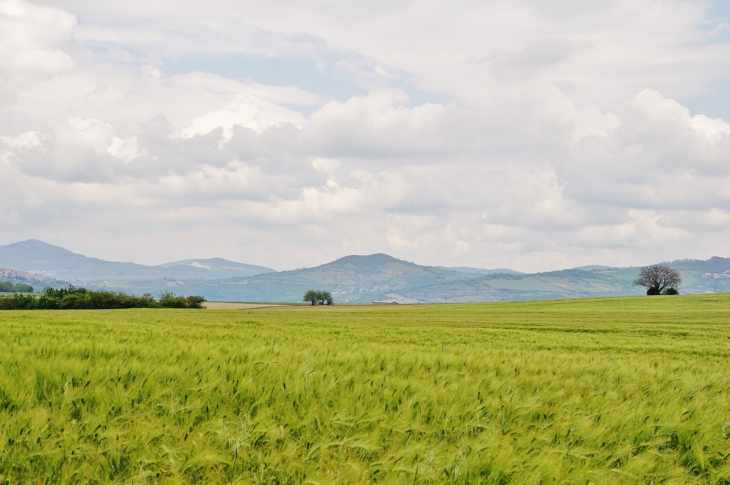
[624, 390]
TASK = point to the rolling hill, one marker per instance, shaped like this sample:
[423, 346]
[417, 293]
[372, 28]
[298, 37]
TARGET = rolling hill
[56, 262]
[469, 269]
[515, 287]
[698, 276]
[351, 279]
[379, 277]
[363, 279]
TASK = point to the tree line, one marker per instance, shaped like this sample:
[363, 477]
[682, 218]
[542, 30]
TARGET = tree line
[72, 298]
[9, 287]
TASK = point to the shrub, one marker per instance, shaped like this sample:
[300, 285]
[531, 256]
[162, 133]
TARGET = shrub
[168, 300]
[6, 303]
[670, 291]
[72, 298]
[195, 301]
[144, 301]
[24, 302]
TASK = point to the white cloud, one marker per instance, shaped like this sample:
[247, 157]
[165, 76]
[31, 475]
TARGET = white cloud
[27, 140]
[287, 95]
[30, 38]
[32, 41]
[243, 110]
[554, 136]
[124, 149]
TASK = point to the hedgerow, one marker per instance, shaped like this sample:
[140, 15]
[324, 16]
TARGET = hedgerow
[72, 298]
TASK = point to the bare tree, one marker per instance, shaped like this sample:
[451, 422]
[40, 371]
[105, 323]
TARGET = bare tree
[659, 279]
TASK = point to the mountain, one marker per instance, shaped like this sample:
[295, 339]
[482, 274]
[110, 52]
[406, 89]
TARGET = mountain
[379, 277]
[467, 269]
[352, 279]
[53, 261]
[213, 268]
[569, 283]
[45, 259]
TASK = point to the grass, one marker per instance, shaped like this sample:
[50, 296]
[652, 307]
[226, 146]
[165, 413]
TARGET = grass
[623, 390]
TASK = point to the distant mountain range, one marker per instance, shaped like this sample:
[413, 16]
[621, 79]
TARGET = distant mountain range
[55, 262]
[352, 279]
[467, 269]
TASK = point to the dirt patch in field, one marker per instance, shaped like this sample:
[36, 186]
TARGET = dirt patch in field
[220, 305]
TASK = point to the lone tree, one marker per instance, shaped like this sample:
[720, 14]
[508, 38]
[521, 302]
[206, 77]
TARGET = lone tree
[659, 280]
[311, 296]
[318, 297]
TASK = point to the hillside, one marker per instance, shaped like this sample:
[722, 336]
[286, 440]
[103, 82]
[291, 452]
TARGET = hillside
[698, 276]
[214, 268]
[514, 287]
[352, 279]
[363, 279]
[469, 269]
[38, 282]
[56, 262]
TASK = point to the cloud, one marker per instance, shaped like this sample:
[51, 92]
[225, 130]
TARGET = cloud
[657, 157]
[243, 110]
[32, 41]
[552, 135]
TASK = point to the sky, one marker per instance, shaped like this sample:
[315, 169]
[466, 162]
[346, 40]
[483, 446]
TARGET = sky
[495, 133]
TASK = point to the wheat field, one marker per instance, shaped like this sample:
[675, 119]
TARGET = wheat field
[617, 390]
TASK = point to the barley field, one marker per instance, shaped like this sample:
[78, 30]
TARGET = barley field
[622, 390]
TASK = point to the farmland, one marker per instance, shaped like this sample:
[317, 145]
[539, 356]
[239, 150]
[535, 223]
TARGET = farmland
[616, 390]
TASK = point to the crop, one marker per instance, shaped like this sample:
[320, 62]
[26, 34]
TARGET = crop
[617, 390]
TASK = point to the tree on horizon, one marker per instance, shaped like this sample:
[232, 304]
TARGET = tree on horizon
[659, 279]
[318, 297]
